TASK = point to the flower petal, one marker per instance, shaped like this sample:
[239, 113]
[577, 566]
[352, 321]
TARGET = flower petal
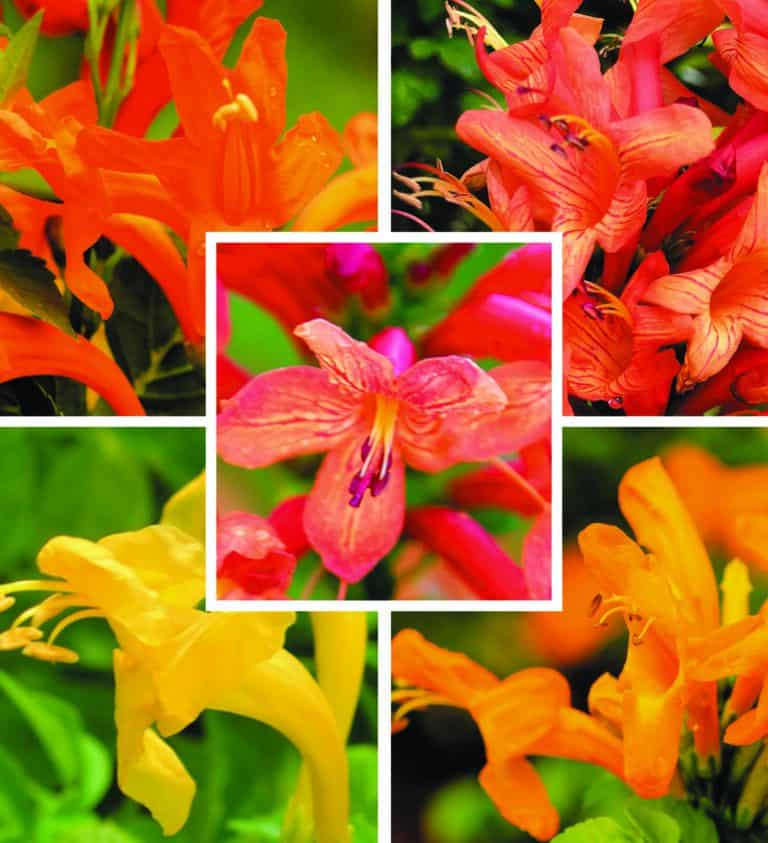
[351, 540]
[350, 364]
[284, 413]
[418, 662]
[518, 791]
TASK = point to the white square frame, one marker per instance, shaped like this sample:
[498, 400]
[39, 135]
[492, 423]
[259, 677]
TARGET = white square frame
[213, 603]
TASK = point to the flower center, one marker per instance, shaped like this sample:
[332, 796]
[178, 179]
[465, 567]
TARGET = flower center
[27, 637]
[606, 607]
[238, 172]
[376, 452]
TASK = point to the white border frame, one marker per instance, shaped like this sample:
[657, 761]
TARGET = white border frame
[212, 602]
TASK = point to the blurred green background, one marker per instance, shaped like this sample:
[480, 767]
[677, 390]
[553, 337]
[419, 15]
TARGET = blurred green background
[433, 77]
[436, 797]
[57, 734]
[260, 343]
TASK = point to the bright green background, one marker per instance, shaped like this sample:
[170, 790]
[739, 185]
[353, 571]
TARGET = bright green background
[57, 736]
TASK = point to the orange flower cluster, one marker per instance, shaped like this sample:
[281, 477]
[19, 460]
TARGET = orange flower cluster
[230, 165]
[661, 725]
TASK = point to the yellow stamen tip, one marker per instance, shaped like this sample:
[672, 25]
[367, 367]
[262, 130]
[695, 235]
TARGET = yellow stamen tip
[15, 639]
[6, 601]
[50, 653]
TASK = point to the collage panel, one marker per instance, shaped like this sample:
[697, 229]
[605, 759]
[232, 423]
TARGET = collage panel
[384, 427]
[130, 129]
[637, 712]
[126, 712]
[635, 130]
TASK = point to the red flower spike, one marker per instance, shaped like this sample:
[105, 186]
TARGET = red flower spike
[470, 551]
[30, 347]
[252, 562]
[370, 420]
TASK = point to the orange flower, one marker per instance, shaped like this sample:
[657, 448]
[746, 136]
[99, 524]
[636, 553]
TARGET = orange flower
[736, 518]
[667, 596]
[727, 299]
[529, 713]
[29, 347]
[233, 168]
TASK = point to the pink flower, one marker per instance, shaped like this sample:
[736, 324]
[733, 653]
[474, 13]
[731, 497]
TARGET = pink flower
[372, 417]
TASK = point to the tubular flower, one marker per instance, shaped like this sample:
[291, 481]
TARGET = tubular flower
[609, 359]
[146, 585]
[727, 299]
[248, 173]
[586, 170]
[743, 49]
[527, 714]
[737, 520]
[373, 413]
[214, 20]
[666, 596]
[30, 347]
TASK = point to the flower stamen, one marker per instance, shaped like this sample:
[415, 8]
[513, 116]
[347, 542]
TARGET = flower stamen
[376, 452]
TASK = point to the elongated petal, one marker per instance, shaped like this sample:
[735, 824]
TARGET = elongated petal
[524, 419]
[351, 540]
[520, 710]
[307, 157]
[610, 556]
[652, 506]
[518, 792]
[502, 326]
[442, 386]
[752, 236]
[196, 81]
[537, 557]
[348, 198]
[744, 53]
[418, 662]
[29, 347]
[687, 292]
[510, 201]
[470, 551]
[712, 344]
[657, 143]
[679, 25]
[527, 269]
[350, 364]
[284, 413]
[148, 770]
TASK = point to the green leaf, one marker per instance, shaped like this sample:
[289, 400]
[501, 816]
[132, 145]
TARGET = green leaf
[651, 823]
[28, 280]
[55, 723]
[17, 807]
[409, 92]
[693, 824]
[17, 58]
[363, 777]
[602, 830]
[69, 829]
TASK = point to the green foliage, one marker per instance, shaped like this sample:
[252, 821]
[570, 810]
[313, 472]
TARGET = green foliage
[16, 58]
[26, 278]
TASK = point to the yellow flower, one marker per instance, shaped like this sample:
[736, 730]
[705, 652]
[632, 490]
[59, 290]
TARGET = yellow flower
[174, 661]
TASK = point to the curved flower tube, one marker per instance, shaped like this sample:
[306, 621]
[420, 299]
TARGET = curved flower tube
[30, 347]
[146, 585]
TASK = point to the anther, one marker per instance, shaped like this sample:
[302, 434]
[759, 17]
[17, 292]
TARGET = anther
[555, 147]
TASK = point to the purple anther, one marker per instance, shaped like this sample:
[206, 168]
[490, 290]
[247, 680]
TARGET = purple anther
[357, 498]
[562, 125]
[545, 121]
[523, 89]
[379, 484]
[355, 483]
[555, 147]
[592, 311]
[365, 449]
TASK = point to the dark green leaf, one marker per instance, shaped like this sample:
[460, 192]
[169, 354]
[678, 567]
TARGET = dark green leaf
[28, 281]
